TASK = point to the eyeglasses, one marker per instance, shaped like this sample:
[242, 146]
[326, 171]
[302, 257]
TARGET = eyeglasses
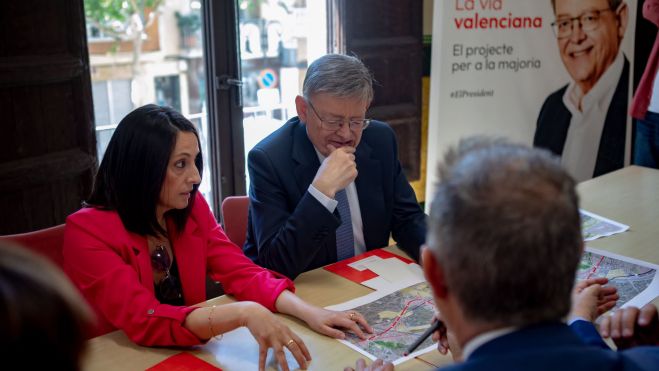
[334, 125]
[588, 21]
[169, 288]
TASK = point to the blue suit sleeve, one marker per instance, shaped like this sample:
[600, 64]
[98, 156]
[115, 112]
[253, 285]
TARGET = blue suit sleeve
[587, 332]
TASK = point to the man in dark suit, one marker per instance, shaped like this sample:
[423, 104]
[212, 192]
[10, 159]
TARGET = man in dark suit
[585, 121]
[503, 247]
[328, 184]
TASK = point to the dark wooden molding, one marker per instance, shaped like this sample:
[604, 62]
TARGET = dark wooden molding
[386, 35]
[48, 146]
[221, 48]
[52, 167]
[26, 71]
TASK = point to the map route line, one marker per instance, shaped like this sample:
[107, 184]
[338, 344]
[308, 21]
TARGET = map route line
[633, 275]
[418, 306]
[395, 322]
[636, 281]
[397, 319]
[390, 336]
[394, 334]
[594, 269]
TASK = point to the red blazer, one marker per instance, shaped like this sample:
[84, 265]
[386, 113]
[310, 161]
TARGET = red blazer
[112, 268]
[643, 94]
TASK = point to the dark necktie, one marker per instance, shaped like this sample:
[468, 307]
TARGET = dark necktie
[345, 242]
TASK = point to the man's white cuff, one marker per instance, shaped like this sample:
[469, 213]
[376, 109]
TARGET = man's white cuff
[328, 203]
[573, 319]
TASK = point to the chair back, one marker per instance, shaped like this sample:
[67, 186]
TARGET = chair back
[235, 212]
[46, 242]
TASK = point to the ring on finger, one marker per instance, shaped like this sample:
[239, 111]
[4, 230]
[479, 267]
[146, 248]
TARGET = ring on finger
[352, 316]
[289, 343]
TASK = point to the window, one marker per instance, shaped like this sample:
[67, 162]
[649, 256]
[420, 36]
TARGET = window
[168, 91]
[159, 60]
[95, 34]
[278, 40]
[111, 103]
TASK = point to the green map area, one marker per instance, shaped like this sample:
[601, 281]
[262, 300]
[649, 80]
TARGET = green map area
[630, 279]
[397, 319]
[593, 227]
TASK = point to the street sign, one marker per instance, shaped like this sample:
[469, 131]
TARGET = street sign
[268, 78]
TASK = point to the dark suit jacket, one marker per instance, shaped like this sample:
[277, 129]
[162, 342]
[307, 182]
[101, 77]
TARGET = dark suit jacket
[554, 121]
[553, 346]
[290, 232]
[588, 334]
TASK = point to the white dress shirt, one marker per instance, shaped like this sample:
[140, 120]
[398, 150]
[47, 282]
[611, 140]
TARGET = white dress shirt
[654, 99]
[353, 202]
[585, 131]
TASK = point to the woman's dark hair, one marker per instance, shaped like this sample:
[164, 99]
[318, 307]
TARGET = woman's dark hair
[44, 321]
[134, 167]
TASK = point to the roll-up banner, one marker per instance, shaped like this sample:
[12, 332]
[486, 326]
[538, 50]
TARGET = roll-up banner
[553, 74]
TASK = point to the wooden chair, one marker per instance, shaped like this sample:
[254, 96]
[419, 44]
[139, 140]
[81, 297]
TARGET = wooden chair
[235, 212]
[47, 242]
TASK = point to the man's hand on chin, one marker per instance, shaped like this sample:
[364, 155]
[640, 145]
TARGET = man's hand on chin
[336, 172]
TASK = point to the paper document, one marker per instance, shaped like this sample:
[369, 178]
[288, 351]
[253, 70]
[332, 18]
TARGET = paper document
[395, 273]
[378, 284]
[362, 264]
[357, 268]
[637, 281]
[239, 349]
[594, 226]
[397, 319]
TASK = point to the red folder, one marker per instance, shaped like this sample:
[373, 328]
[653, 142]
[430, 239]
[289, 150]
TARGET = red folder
[342, 269]
[183, 362]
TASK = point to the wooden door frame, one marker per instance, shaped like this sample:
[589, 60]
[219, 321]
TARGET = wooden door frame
[224, 100]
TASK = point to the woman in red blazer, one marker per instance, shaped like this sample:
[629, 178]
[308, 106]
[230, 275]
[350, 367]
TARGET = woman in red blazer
[141, 248]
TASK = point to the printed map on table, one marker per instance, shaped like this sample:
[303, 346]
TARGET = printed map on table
[594, 226]
[397, 319]
[637, 281]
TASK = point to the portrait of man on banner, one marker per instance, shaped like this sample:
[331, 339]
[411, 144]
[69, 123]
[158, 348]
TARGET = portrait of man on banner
[585, 122]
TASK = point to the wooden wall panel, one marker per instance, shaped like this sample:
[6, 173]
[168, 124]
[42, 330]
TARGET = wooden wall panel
[387, 36]
[48, 146]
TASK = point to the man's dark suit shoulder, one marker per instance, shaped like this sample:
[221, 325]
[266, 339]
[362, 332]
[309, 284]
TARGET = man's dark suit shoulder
[553, 346]
[553, 123]
[380, 136]
[278, 139]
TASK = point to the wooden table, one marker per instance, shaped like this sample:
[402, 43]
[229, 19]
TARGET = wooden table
[629, 196]
[322, 288]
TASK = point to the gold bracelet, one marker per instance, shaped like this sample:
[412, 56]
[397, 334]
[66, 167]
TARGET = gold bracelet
[210, 321]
